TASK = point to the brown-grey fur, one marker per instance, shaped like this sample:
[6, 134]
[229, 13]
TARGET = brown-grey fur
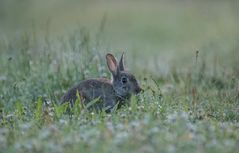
[109, 92]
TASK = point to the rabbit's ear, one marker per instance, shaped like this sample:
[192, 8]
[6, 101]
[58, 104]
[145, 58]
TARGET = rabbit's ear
[112, 64]
[121, 63]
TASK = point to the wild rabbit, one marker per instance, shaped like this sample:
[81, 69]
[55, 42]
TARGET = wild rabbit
[109, 92]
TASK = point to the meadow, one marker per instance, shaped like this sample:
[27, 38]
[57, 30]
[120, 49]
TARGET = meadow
[184, 54]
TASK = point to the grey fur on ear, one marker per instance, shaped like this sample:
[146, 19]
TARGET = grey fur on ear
[121, 63]
[112, 64]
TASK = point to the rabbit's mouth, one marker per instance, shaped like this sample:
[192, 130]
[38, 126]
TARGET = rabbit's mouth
[138, 90]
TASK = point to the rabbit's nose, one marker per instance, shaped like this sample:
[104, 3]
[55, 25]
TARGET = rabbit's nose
[138, 90]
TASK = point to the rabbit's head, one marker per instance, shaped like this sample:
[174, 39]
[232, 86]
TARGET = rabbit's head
[124, 83]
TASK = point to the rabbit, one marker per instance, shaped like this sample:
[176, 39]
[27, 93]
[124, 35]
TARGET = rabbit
[110, 92]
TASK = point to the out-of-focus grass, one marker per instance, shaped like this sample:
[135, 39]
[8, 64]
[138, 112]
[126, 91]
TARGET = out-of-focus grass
[163, 28]
[191, 99]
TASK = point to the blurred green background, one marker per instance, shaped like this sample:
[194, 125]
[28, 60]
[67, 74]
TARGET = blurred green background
[170, 31]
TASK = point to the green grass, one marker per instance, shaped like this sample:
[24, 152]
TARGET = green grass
[191, 99]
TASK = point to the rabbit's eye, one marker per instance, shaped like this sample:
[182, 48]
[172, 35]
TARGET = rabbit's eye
[124, 80]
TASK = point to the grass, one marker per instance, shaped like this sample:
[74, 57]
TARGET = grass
[185, 56]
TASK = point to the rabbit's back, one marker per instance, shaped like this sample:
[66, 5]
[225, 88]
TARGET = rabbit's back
[91, 89]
